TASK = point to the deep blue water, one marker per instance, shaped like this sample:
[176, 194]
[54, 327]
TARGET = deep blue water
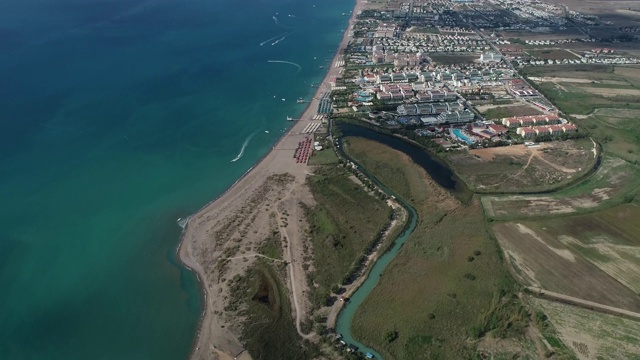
[116, 118]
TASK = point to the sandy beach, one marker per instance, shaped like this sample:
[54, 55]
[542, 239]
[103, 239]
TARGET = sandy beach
[221, 240]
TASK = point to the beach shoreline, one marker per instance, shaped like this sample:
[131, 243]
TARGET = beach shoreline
[278, 160]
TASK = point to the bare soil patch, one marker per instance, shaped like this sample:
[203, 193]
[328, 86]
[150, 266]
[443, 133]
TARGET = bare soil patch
[556, 79]
[521, 168]
[500, 112]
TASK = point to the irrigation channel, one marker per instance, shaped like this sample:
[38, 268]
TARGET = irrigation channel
[439, 172]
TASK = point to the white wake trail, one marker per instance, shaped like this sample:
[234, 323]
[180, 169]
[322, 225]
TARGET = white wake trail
[244, 146]
[277, 41]
[278, 24]
[286, 62]
[273, 38]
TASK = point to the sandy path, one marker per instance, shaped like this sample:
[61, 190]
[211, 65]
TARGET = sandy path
[555, 166]
[589, 305]
[200, 252]
[524, 168]
[561, 79]
[251, 255]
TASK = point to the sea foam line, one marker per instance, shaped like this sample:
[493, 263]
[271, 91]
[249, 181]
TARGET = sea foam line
[286, 62]
[244, 146]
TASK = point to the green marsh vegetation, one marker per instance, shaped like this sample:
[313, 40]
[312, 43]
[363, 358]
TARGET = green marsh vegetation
[344, 224]
[261, 301]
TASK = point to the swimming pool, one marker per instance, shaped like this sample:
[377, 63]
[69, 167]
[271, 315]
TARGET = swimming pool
[458, 133]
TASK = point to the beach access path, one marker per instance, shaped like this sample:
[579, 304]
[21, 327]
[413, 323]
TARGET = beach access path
[199, 252]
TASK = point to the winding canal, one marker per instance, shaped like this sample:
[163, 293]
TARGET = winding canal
[439, 172]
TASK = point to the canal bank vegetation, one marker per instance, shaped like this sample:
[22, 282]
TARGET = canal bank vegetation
[447, 291]
[343, 228]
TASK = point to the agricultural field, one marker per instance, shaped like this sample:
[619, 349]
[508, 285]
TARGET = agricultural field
[518, 109]
[519, 168]
[616, 181]
[593, 335]
[342, 225]
[581, 89]
[609, 239]
[617, 11]
[447, 294]
[541, 260]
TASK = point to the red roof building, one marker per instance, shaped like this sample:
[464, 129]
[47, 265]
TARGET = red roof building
[498, 129]
[555, 129]
[527, 133]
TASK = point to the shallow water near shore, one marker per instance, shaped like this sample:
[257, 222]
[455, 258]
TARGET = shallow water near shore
[116, 118]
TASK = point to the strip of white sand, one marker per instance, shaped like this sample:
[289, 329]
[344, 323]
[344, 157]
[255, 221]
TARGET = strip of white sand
[196, 251]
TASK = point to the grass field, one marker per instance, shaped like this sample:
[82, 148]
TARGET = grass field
[579, 100]
[501, 112]
[323, 157]
[593, 335]
[551, 54]
[450, 59]
[615, 182]
[617, 130]
[518, 168]
[447, 285]
[425, 30]
[542, 260]
[342, 225]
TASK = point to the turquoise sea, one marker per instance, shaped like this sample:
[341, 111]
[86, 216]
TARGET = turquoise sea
[116, 118]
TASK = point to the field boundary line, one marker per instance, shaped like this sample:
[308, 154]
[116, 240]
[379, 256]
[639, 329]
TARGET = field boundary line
[585, 304]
